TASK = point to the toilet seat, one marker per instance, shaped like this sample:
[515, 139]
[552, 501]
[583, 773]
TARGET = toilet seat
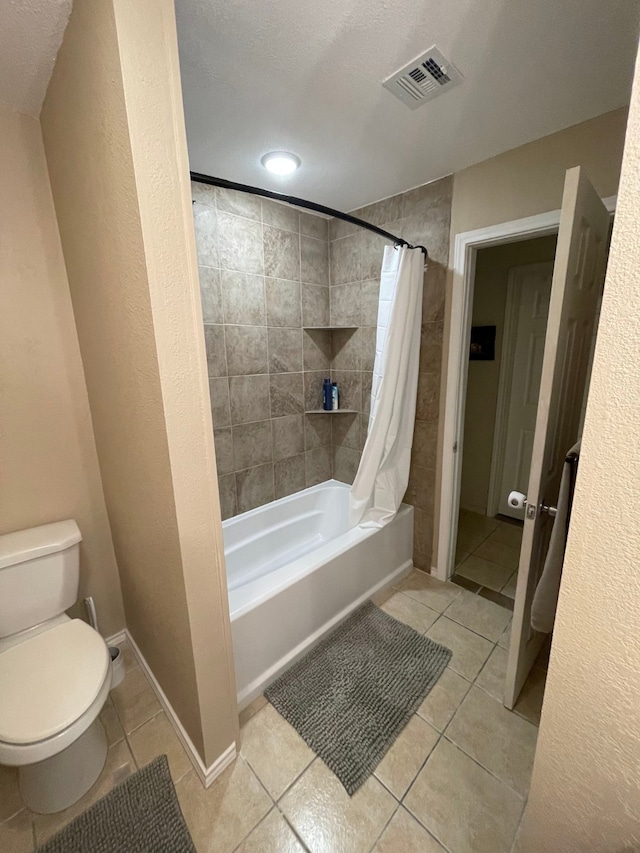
[53, 686]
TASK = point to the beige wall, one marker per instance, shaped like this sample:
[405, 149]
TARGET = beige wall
[584, 791]
[115, 144]
[530, 179]
[489, 302]
[48, 463]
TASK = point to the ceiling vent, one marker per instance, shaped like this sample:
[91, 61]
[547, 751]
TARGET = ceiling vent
[423, 79]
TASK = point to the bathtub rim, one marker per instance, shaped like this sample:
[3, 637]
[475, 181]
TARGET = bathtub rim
[279, 579]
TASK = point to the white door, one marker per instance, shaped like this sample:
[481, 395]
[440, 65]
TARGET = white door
[526, 315]
[577, 279]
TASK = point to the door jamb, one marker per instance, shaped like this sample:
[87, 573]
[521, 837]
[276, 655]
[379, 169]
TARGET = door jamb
[466, 246]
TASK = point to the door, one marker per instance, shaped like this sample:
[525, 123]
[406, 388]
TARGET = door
[527, 311]
[577, 279]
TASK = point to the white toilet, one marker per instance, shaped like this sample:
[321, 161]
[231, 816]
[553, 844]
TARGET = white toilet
[55, 672]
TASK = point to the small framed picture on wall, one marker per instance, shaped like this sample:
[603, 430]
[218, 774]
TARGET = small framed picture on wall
[483, 343]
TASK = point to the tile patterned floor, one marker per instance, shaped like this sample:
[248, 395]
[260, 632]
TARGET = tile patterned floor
[487, 554]
[455, 780]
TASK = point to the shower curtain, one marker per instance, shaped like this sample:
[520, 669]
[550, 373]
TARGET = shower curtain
[383, 473]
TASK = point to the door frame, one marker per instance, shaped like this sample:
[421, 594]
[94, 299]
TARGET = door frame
[466, 246]
[512, 306]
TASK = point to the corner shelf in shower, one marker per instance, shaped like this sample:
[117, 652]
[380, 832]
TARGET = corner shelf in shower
[330, 328]
[331, 412]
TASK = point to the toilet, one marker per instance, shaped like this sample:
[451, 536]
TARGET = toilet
[55, 671]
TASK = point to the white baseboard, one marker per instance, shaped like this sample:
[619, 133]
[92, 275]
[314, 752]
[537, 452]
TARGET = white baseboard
[116, 639]
[205, 774]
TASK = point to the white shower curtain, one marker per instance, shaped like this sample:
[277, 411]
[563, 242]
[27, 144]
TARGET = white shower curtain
[383, 473]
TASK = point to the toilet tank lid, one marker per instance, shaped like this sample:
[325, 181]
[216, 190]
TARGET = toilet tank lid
[37, 542]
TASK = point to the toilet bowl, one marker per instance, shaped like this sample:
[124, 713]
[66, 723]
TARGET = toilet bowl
[55, 674]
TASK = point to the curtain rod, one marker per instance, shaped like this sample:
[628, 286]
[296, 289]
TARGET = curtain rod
[301, 202]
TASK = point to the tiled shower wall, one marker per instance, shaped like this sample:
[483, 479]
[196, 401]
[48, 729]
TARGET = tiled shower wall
[265, 271]
[263, 275]
[421, 216]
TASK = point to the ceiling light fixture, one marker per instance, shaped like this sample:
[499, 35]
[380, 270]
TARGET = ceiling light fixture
[280, 162]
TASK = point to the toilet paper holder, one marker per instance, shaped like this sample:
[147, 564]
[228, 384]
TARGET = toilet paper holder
[518, 500]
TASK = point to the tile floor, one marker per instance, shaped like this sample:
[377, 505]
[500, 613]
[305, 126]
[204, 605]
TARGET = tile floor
[487, 554]
[455, 780]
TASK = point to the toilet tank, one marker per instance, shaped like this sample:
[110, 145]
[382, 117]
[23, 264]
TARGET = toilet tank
[39, 574]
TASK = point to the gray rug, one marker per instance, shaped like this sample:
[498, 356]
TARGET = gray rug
[140, 815]
[352, 695]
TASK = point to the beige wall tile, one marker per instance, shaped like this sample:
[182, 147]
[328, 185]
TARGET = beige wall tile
[285, 350]
[289, 476]
[246, 348]
[280, 215]
[234, 201]
[325, 817]
[287, 394]
[243, 298]
[283, 303]
[211, 295]
[249, 396]
[254, 487]
[315, 305]
[314, 226]
[219, 396]
[318, 465]
[239, 244]
[228, 496]
[288, 436]
[345, 462]
[216, 352]
[252, 444]
[314, 261]
[281, 253]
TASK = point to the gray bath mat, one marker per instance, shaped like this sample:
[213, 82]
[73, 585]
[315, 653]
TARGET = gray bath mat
[352, 695]
[139, 815]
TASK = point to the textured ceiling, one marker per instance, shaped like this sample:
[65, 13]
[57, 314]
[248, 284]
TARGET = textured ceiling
[306, 76]
[30, 35]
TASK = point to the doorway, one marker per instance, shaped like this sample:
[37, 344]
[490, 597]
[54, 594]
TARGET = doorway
[511, 293]
[582, 228]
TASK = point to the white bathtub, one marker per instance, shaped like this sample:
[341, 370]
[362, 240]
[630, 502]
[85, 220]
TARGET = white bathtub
[295, 569]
